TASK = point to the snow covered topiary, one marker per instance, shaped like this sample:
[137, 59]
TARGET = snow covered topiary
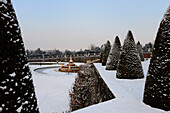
[140, 51]
[106, 50]
[129, 65]
[101, 53]
[89, 88]
[157, 86]
[16, 85]
[114, 55]
[4, 1]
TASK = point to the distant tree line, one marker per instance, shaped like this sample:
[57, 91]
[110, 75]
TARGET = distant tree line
[93, 50]
[148, 47]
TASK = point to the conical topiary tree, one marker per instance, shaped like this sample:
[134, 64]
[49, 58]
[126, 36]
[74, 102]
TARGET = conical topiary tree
[140, 51]
[101, 53]
[114, 55]
[129, 65]
[157, 86]
[106, 50]
[16, 85]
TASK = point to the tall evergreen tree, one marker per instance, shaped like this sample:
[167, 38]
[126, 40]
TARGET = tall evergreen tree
[106, 50]
[16, 85]
[140, 51]
[129, 65]
[114, 55]
[157, 86]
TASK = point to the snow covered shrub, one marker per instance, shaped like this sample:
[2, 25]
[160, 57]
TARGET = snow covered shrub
[89, 88]
[101, 53]
[157, 86]
[114, 55]
[129, 65]
[106, 50]
[16, 85]
[140, 51]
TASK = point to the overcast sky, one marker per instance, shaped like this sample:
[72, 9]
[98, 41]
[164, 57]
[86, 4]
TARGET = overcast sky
[75, 24]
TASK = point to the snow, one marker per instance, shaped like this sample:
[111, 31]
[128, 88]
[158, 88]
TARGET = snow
[128, 93]
[52, 89]
[5, 1]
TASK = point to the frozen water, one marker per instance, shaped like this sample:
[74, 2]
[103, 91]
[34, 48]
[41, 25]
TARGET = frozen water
[52, 89]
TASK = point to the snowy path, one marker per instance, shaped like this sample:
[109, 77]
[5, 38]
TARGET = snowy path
[52, 89]
[129, 95]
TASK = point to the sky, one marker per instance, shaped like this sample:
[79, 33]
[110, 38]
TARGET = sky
[75, 24]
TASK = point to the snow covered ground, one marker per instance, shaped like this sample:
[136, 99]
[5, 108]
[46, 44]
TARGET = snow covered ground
[129, 94]
[52, 89]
